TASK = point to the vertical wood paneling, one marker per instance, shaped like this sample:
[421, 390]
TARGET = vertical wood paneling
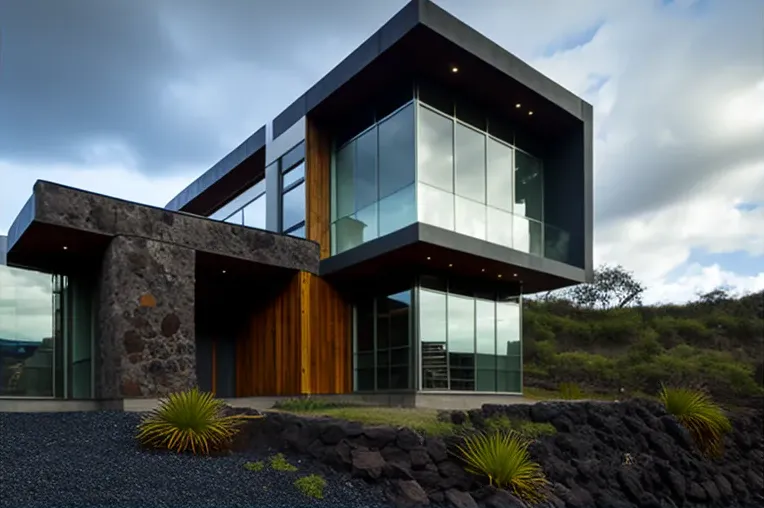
[299, 341]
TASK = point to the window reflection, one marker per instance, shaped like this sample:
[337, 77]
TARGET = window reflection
[254, 213]
[435, 206]
[469, 150]
[470, 218]
[461, 341]
[293, 175]
[372, 182]
[383, 342]
[435, 157]
[469, 342]
[26, 333]
[293, 211]
[529, 191]
[432, 333]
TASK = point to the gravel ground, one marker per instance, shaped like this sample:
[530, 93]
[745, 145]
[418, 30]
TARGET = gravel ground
[84, 460]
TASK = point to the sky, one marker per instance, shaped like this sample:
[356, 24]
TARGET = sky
[135, 99]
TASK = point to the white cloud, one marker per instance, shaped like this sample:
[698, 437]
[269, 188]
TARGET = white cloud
[118, 180]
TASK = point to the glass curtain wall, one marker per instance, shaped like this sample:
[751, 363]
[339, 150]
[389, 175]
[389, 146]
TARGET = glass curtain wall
[383, 352]
[373, 179]
[476, 184]
[46, 335]
[247, 209]
[470, 341]
[292, 167]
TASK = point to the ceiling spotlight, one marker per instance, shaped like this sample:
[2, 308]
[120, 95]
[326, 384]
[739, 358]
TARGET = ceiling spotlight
[500, 276]
[530, 113]
[482, 269]
[518, 105]
[514, 275]
[428, 258]
[454, 69]
[223, 271]
[450, 265]
[65, 247]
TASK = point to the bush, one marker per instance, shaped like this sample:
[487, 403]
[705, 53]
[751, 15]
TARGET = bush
[703, 419]
[504, 459]
[189, 420]
[280, 463]
[255, 466]
[312, 486]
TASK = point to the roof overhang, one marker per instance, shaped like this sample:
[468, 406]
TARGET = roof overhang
[63, 230]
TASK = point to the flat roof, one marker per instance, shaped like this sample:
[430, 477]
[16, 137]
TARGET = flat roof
[421, 40]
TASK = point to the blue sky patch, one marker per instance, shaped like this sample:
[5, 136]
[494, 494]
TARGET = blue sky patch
[739, 262]
[748, 207]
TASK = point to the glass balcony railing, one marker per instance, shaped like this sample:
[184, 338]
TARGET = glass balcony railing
[421, 203]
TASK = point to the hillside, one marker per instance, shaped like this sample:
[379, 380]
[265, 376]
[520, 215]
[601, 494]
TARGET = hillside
[716, 342]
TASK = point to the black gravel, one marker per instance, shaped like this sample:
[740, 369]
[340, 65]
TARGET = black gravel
[84, 460]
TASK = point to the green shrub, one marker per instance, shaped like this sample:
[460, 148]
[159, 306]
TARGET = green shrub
[701, 416]
[312, 486]
[570, 391]
[280, 463]
[189, 420]
[503, 458]
[255, 466]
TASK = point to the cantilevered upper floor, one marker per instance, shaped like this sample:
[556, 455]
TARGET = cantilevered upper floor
[428, 148]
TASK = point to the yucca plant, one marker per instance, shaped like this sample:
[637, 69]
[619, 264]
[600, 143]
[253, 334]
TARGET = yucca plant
[503, 457]
[190, 420]
[700, 415]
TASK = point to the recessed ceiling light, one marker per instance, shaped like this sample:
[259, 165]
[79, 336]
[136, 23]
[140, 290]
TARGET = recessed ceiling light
[482, 269]
[500, 276]
[454, 69]
[515, 275]
[518, 105]
[450, 265]
[530, 113]
[223, 271]
[428, 258]
[65, 247]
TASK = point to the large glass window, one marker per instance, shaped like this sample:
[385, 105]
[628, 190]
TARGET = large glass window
[435, 158]
[373, 189]
[479, 185]
[383, 353]
[433, 335]
[26, 333]
[254, 213]
[469, 341]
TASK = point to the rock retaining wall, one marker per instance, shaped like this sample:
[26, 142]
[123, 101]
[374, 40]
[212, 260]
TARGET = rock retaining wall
[606, 455]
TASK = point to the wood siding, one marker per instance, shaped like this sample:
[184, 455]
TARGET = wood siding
[299, 342]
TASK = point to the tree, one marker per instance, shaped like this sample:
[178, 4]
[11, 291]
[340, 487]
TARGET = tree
[719, 295]
[613, 288]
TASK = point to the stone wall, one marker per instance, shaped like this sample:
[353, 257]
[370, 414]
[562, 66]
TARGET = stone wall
[94, 213]
[146, 319]
[603, 455]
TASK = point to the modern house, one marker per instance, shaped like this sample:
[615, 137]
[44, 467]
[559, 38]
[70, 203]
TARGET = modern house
[375, 238]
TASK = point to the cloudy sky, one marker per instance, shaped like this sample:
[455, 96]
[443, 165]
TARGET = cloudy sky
[136, 98]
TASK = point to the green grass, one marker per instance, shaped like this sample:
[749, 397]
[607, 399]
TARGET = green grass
[255, 466]
[280, 463]
[525, 428]
[311, 486]
[421, 420]
[307, 404]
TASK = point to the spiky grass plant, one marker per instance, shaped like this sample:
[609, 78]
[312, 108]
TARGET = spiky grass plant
[503, 457]
[700, 415]
[190, 420]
